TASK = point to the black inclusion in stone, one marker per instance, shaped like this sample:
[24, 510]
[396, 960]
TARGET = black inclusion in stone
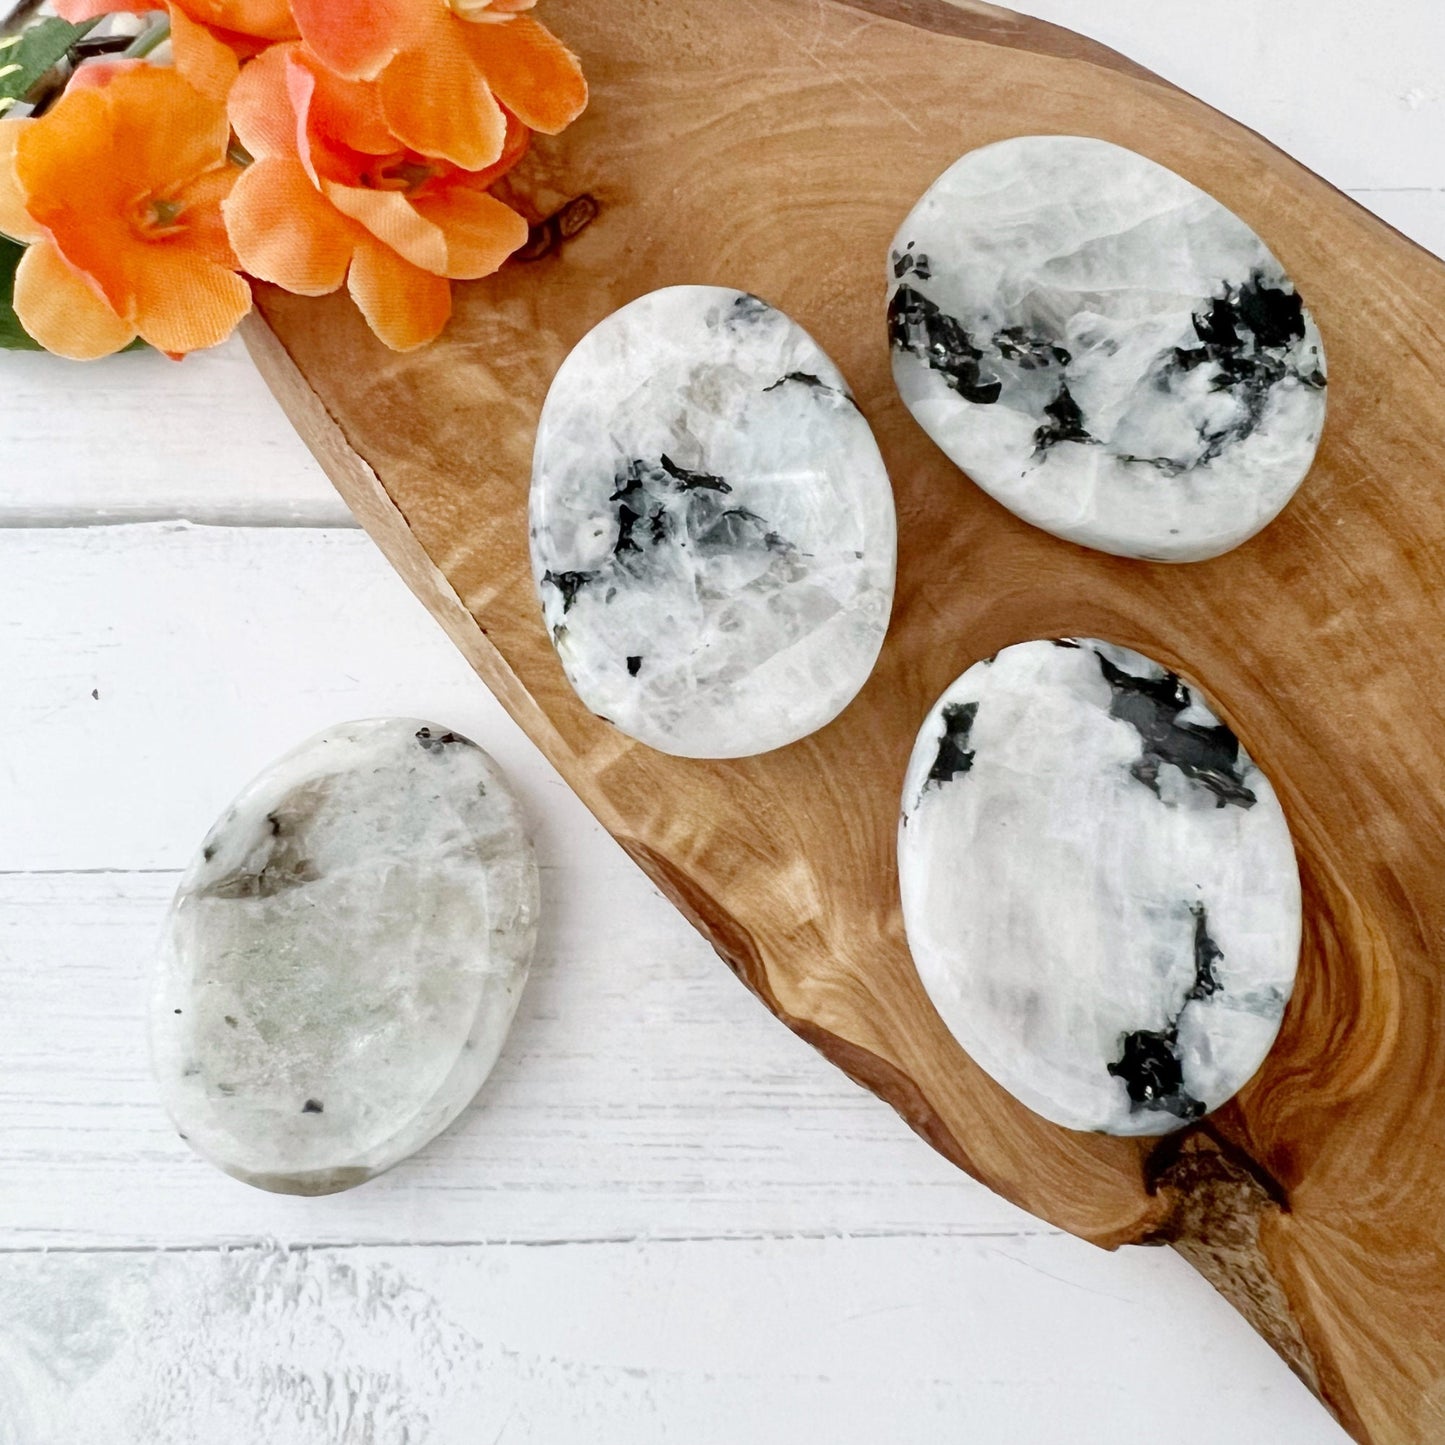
[1246, 331]
[1153, 1074]
[748, 307]
[803, 378]
[659, 504]
[629, 481]
[1247, 335]
[1149, 1061]
[692, 481]
[569, 584]
[435, 742]
[1275, 316]
[1031, 353]
[813, 383]
[907, 260]
[279, 860]
[627, 520]
[1206, 954]
[1215, 326]
[738, 530]
[954, 758]
[1208, 756]
[917, 326]
[313, 1106]
[634, 666]
[1065, 423]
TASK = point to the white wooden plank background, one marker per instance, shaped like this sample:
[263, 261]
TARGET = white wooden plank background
[665, 1219]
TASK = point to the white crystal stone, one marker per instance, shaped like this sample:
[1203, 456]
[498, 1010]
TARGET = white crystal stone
[1104, 348]
[713, 534]
[1099, 887]
[344, 957]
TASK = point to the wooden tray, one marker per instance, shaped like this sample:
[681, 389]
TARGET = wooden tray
[775, 146]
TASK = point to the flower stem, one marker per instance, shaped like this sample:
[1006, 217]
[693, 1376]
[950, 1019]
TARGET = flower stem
[148, 40]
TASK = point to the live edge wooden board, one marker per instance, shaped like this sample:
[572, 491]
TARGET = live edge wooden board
[775, 146]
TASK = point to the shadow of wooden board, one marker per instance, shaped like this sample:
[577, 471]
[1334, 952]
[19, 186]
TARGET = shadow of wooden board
[775, 146]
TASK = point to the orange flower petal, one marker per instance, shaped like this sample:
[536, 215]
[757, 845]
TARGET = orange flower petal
[15, 219]
[72, 144]
[265, 19]
[340, 129]
[62, 310]
[438, 103]
[519, 139]
[285, 231]
[345, 111]
[208, 63]
[356, 38]
[260, 107]
[184, 302]
[394, 221]
[404, 305]
[90, 167]
[75, 190]
[200, 215]
[163, 126]
[133, 129]
[480, 231]
[530, 71]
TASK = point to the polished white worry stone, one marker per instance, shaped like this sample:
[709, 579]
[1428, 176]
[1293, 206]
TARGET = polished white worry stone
[344, 957]
[1104, 348]
[1099, 887]
[713, 535]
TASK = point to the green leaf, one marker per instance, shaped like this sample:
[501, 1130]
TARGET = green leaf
[26, 59]
[13, 336]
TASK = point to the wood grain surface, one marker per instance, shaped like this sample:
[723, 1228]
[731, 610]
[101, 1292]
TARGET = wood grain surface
[775, 148]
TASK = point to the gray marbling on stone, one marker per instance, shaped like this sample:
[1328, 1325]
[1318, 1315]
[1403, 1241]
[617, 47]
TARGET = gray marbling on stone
[712, 527]
[1104, 348]
[344, 957]
[1099, 887]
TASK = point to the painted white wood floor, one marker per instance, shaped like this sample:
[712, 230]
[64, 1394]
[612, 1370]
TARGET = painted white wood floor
[665, 1219]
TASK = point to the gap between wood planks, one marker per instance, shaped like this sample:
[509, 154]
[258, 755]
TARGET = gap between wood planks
[81, 519]
[763, 1236]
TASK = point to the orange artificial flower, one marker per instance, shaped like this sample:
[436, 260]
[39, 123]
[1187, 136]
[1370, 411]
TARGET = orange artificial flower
[209, 38]
[333, 196]
[118, 190]
[449, 71]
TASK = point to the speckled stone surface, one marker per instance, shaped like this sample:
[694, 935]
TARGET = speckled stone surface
[1104, 348]
[344, 957]
[713, 534]
[1099, 887]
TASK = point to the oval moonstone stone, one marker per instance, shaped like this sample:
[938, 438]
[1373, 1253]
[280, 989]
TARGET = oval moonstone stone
[344, 957]
[1099, 887]
[1104, 348]
[713, 534]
